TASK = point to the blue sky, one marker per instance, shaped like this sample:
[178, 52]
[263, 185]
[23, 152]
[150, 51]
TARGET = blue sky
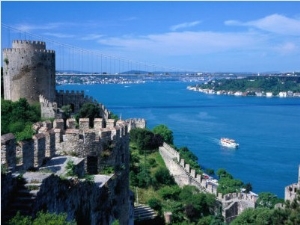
[199, 36]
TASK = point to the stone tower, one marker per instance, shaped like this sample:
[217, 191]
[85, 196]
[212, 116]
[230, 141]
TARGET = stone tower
[29, 71]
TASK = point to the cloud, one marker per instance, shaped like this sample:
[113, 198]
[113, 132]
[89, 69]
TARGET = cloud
[30, 27]
[186, 43]
[59, 35]
[48, 26]
[184, 25]
[287, 48]
[91, 37]
[274, 23]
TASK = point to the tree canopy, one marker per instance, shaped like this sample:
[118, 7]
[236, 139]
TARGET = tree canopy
[164, 131]
[89, 110]
[18, 117]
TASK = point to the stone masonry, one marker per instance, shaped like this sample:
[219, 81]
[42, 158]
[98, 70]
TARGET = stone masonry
[232, 204]
[104, 146]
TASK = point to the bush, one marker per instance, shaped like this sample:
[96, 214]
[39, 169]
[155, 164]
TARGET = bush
[170, 192]
[162, 176]
[164, 132]
[18, 117]
[155, 204]
[42, 218]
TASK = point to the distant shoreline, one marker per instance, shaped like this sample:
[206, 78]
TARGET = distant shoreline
[282, 94]
[269, 86]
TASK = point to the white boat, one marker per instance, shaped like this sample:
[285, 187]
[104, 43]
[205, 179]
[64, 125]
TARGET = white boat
[229, 143]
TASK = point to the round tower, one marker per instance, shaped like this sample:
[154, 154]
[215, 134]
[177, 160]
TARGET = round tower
[29, 71]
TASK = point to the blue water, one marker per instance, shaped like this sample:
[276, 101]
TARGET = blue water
[268, 129]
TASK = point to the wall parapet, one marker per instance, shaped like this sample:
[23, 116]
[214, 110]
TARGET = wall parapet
[52, 139]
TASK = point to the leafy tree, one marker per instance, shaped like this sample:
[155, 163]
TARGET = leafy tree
[248, 187]
[144, 178]
[267, 200]
[164, 131]
[18, 117]
[19, 219]
[51, 219]
[228, 185]
[170, 192]
[89, 110]
[162, 176]
[222, 173]
[155, 204]
[42, 218]
[67, 110]
[144, 139]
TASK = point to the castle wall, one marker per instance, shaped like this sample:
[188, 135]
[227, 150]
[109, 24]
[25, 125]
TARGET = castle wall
[76, 99]
[29, 71]
[232, 204]
[290, 191]
[84, 199]
[8, 150]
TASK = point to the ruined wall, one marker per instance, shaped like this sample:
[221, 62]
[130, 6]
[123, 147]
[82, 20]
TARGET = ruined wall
[29, 71]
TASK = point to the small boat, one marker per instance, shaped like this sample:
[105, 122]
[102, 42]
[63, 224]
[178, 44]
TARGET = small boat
[229, 143]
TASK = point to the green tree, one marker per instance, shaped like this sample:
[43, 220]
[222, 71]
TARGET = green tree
[267, 200]
[51, 219]
[162, 176]
[89, 110]
[164, 131]
[67, 110]
[170, 192]
[44, 218]
[18, 117]
[144, 139]
[155, 204]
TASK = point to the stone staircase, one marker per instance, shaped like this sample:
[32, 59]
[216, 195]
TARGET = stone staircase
[143, 212]
[24, 197]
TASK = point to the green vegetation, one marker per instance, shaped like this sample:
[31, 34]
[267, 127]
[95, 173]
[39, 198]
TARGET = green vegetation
[145, 139]
[164, 132]
[190, 158]
[153, 185]
[89, 110]
[227, 184]
[267, 200]
[18, 117]
[274, 84]
[70, 167]
[42, 218]
[288, 215]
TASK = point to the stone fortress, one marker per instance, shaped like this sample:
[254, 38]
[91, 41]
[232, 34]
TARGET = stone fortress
[101, 151]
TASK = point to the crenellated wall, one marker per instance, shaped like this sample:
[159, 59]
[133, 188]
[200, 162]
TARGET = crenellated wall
[76, 99]
[101, 146]
[29, 71]
[232, 204]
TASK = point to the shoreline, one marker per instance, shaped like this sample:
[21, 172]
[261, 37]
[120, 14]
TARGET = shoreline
[282, 94]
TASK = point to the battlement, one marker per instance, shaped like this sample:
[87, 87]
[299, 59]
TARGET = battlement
[29, 71]
[53, 138]
[67, 92]
[22, 50]
[24, 44]
[238, 196]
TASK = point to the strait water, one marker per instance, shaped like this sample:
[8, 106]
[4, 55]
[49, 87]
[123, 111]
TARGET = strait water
[267, 129]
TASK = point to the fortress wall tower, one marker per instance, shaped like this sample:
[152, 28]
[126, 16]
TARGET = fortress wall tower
[29, 71]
